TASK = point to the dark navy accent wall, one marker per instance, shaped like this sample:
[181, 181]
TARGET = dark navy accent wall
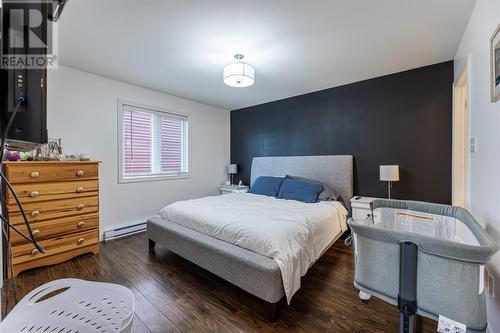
[403, 118]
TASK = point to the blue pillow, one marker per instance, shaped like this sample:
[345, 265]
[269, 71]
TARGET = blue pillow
[265, 185]
[328, 193]
[300, 189]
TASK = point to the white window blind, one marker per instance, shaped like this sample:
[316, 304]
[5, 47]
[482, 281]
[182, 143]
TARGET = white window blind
[153, 143]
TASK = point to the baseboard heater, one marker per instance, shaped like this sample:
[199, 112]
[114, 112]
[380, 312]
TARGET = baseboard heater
[125, 231]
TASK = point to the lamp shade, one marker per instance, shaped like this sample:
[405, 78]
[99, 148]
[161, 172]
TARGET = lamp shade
[232, 169]
[238, 74]
[389, 173]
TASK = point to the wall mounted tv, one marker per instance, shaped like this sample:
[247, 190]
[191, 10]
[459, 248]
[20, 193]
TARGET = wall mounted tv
[24, 31]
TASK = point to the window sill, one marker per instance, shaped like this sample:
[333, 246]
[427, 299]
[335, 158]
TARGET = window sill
[141, 179]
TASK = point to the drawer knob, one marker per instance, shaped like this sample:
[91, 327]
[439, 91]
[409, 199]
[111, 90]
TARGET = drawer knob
[35, 252]
[79, 189]
[35, 213]
[35, 174]
[80, 241]
[34, 194]
[81, 224]
[80, 206]
[80, 173]
[36, 233]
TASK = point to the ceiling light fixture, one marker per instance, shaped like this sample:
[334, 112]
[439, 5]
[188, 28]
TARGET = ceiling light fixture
[239, 74]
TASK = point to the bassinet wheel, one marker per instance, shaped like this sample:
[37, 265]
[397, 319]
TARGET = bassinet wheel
[364, 296]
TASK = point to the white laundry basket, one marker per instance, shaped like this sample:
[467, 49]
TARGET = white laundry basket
[80, 306]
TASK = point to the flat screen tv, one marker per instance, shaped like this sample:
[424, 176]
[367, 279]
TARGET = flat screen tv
[29, 128]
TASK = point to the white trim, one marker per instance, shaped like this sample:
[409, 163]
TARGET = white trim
[469, 131]
[140, 179]
[185, 148]
[121, 106]
[461, 93]
[155, 146]
[129, 106]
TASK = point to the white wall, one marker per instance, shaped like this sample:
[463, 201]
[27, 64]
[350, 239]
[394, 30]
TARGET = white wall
[484, 193]
[82, 110]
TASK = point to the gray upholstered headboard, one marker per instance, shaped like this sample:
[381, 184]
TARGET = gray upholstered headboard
[334, 170]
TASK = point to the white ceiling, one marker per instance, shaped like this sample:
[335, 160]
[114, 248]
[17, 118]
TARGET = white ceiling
[180, 46]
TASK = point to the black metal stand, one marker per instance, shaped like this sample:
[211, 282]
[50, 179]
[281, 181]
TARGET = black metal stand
[407, 298]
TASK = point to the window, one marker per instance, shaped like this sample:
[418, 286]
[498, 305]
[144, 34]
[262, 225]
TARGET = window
[153, 144]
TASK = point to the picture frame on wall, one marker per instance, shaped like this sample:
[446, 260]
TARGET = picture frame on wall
[495, 65]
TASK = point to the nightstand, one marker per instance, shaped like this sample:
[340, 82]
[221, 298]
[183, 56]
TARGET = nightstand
[225, 189]
[361, 207]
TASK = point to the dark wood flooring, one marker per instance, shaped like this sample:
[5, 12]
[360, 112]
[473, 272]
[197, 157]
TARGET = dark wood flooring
[173, 295]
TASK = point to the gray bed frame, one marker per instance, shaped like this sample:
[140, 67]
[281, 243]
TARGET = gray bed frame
[250, 271]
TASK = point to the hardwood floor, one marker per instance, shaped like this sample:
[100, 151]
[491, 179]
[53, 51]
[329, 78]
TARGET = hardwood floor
[173, 295]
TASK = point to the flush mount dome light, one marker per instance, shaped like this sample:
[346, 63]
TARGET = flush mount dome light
[239, 74]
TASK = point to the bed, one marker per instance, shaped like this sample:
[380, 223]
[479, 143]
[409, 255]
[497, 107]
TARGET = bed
[217, 233]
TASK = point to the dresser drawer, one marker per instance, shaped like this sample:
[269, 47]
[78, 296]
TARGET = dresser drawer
[51, 191]
[46, 210]
[27, 252]
[58, 227]
[36, 172]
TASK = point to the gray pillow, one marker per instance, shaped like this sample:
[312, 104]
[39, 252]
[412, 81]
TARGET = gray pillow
[328, 193]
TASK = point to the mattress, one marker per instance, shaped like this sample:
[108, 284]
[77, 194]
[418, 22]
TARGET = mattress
[292, 233]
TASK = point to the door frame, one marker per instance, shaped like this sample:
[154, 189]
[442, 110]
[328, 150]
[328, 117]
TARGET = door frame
[461, 138]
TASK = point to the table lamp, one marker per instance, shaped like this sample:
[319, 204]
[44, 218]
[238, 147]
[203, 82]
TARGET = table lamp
[232, 169]
[389, 174]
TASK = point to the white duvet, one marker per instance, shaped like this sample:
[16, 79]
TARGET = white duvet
[292, 233]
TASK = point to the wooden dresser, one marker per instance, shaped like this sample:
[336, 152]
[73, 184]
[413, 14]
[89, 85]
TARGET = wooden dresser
[61, 201]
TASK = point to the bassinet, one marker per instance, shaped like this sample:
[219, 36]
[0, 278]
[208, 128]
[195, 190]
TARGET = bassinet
[425, 258]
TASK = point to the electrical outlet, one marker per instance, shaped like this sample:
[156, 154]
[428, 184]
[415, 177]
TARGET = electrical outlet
[473, 146]
[489, 282]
